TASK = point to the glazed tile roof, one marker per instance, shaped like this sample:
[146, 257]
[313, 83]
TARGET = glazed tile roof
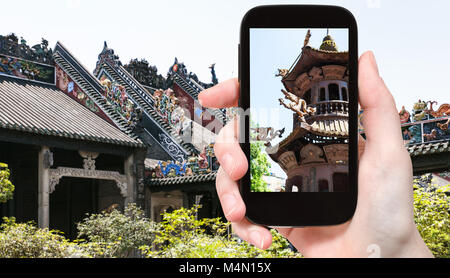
[182, 180]
[44, 109]
[428, 148]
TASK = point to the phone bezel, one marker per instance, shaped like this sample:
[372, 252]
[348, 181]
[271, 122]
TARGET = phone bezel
[296, 209]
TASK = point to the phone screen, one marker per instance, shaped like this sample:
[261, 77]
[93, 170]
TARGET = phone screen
[299, 97]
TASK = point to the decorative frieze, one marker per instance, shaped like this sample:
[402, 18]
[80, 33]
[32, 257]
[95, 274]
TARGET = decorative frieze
[56, 174]
[204, 163]
[117, 97]
[337, 153]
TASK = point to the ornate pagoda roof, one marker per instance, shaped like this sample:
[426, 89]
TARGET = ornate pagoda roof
[309, 57]
[314, 57]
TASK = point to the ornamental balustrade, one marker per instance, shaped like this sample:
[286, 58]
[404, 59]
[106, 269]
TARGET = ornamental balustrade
[330, 108]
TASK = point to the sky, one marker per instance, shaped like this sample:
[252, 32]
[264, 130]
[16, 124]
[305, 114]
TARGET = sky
[272, 49]
[410, 39]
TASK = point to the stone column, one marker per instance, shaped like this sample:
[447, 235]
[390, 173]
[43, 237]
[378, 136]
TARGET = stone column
[45, 160]
[130, 175]
[139, 158]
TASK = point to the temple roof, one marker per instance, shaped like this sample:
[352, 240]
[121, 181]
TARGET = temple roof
[43, 109]
[314, 57]
[327, 128]
[90, 85]
[140, 94]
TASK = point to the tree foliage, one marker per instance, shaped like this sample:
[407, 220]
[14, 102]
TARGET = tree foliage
[6, 186]
[259, 166]
[431, 214]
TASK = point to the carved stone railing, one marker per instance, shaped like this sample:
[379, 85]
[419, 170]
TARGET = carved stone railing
[331, 108]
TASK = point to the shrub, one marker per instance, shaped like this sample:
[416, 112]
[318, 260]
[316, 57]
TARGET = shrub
[25, 240]
[181, 235]
[431, 214]
[115, 234]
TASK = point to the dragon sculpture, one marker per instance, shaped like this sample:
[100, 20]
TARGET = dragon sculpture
[297, 104]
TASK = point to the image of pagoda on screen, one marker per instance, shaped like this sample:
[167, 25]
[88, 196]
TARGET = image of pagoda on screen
[299, 110]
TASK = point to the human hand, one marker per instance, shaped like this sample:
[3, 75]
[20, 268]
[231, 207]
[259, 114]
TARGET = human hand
[383, 221]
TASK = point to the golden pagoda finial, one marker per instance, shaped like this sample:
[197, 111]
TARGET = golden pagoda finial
[328, 43]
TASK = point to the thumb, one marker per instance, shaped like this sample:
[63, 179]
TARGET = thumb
[381, 120]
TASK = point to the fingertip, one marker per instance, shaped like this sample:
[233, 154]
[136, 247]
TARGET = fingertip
[256, 235]
[261, 238]
[224, 94]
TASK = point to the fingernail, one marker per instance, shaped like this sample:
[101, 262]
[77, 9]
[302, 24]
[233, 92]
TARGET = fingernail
[257, 239]
[229, 204]
[374, 61]
[228, 164]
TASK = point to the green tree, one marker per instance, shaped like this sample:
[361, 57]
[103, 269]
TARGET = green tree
[6, 186]
[259, 166]
[431, 214]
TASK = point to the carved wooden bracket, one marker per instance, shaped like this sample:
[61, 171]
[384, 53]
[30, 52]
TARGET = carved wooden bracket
[337, 153]
[311, 154]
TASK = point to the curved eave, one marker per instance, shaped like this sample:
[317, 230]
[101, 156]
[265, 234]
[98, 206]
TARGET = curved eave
[314, 57]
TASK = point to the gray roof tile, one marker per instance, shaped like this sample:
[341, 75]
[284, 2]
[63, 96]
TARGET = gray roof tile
[43, 109]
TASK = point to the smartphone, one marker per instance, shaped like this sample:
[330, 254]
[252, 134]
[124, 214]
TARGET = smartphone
[298, 111]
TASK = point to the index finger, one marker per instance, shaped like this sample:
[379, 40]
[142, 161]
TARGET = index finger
[224, 94]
